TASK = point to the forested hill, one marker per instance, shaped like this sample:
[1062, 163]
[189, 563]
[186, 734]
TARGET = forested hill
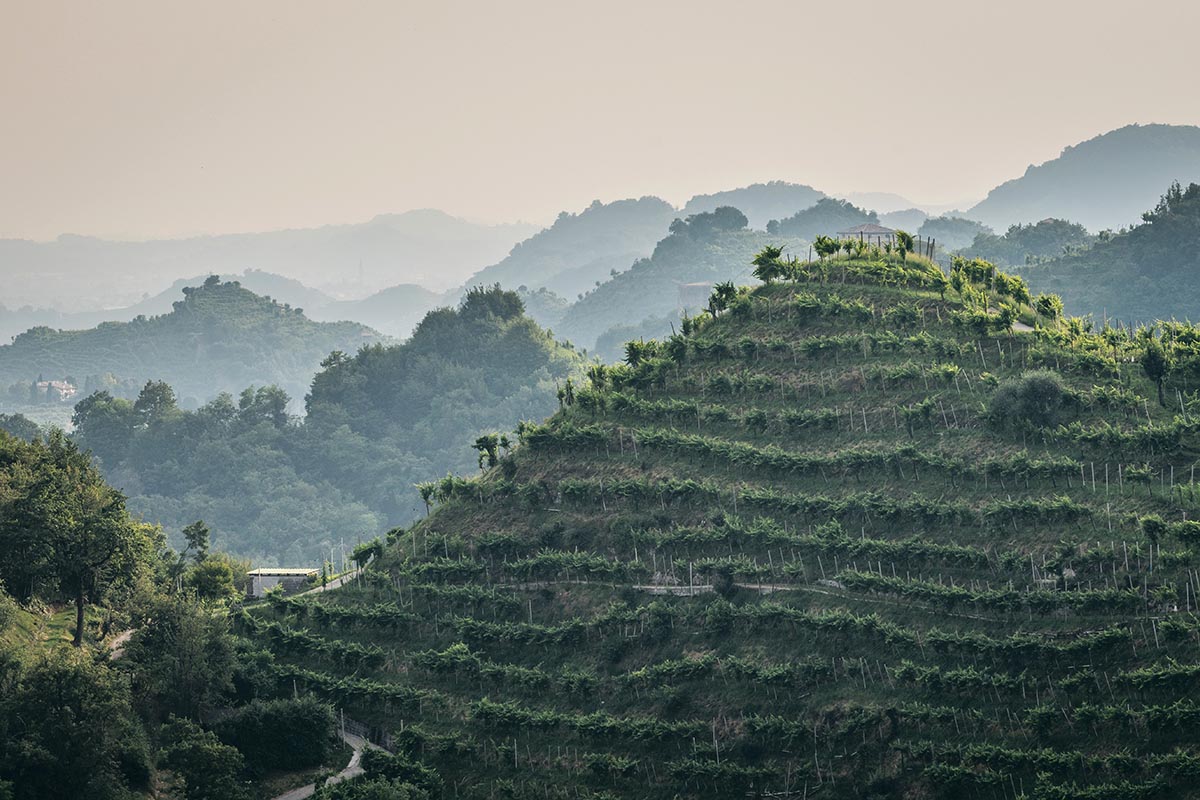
[1105, 182]
[760, 202]
[219, 337]
[703, 248]
[283, 490]
[860, 536]
[1149, 272]
[579, 249]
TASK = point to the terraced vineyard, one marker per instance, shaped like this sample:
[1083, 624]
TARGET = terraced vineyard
[854, 536]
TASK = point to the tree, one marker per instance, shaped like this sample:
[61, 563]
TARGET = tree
[722, 295]
[182, 659]
[427, 490]
[208, 769]
[89, 536]
[196, 535]
[1049, 306]
[155, 402]
[1156, 364]
[211, 579]
[72, 718]
[488, 446]
[767, 266]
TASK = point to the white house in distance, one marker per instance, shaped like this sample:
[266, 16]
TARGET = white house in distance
[869, 233]
[267, 577]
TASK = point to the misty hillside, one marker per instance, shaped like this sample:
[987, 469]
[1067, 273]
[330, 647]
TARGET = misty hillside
[432, 248]
[1105, 182]
[1029, 244]
[378, 422]
[267, 284]
[579, 249]
[760, 202]
[952, 232]
[394, 311]
[705, 248]
[219, 337]
[1150, 272]
[826, 217]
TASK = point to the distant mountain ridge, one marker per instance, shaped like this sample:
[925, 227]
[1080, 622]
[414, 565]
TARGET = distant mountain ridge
[218, 337]
[1104, 182]
[426, 246]
[760, 202]
[581, 248]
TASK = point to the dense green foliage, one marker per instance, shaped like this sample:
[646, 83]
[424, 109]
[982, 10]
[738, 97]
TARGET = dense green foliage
[1145, 273]
[826, 217]
[123, 716]
[219, 337]
[1030, 244]
[853, 533]
[282, 490]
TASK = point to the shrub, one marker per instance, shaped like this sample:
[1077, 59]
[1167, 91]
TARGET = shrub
[1034, 400]
[295, 734]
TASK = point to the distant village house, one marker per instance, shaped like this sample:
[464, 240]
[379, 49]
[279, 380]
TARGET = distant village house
[269, 577]
[56, 390]
[869, 233]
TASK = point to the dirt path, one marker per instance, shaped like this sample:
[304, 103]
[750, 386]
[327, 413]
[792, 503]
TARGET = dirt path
[116, 648]
[352, 770]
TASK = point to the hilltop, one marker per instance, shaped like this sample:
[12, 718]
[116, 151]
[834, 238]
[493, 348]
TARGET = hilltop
[1105, 182]
[760, 202]
[702, 248]
[219, 337]
[268, 284]
[1148, 272]
[861, 535]
[581, 249]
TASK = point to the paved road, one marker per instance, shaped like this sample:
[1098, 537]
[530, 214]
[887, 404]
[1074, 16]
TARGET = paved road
[339, 581]
[352, 770]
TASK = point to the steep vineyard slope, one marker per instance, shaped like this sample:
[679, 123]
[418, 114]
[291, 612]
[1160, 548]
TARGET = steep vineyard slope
[852, 538]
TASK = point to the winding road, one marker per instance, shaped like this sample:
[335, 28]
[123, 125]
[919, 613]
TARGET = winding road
[352, 770]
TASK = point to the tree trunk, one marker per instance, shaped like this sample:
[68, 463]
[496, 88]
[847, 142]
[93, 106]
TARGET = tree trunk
[1161, 401]
[78, 642]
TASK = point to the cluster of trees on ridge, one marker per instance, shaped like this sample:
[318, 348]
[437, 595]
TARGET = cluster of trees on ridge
[219, 337]
[285, 490]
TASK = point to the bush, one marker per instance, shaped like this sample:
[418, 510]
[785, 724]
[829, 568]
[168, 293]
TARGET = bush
[292, 734]
[1034, 399]
[208, 769]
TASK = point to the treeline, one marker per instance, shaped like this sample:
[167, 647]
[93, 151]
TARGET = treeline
[282, 490]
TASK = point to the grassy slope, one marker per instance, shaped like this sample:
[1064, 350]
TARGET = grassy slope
[554, 675]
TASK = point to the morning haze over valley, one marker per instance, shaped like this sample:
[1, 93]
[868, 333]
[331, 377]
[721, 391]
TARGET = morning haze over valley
[411, 402]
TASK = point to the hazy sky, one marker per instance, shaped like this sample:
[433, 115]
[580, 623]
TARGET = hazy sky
[142, 119]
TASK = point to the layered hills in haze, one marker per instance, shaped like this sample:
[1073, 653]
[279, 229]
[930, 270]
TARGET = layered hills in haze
[218, 337]
[1105, 182]
[427, 247]
[579, 249]
[1149, 272]
[282, 489]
